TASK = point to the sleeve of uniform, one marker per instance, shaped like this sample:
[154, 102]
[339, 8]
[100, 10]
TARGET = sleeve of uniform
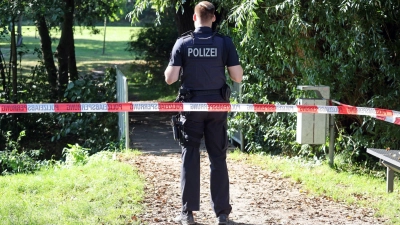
[233, 58]
[176, 54]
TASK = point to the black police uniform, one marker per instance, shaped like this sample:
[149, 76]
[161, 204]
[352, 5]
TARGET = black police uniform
[203, 56]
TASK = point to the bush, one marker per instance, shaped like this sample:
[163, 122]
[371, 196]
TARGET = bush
[93, 130]
[76, 155]
[350, 46]
[154, 43]
[51, 131]
[13, 161]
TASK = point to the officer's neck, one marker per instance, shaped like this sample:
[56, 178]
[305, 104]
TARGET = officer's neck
[198, 23]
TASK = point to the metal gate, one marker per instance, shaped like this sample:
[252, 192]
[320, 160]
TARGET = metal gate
[123, 118]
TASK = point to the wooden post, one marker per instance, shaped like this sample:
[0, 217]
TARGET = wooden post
[389, 179]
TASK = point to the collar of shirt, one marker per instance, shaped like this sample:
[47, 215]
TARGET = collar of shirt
[203, 30]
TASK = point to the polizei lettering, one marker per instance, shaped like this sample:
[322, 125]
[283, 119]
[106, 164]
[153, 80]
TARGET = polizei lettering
[115, 107]
[40, 108]
[242, 107]
[170, 106]
[202, 52]
[235, 107]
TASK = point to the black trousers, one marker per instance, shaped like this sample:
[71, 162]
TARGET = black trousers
[213, 126]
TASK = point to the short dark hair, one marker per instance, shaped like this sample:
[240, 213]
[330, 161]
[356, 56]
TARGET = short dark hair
[205, 10]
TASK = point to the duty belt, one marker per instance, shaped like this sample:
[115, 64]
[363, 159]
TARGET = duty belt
[205, 92]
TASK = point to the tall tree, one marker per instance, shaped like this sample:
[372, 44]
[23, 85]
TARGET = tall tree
[13, 61]
[3, 75]
[4, 25]
[64, 45]
[47, 54]
[13, 10]
[68, 13]
[184, 17]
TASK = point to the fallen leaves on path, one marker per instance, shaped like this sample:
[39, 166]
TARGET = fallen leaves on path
[257, 196]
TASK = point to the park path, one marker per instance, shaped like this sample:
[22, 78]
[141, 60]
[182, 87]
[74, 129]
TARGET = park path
[258, 197]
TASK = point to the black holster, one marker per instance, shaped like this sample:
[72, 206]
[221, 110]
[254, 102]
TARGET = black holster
[176, 127]
[184, 95]
[226, 92]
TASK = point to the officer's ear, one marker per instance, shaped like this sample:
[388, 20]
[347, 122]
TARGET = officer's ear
[194, 17]
[214, 18]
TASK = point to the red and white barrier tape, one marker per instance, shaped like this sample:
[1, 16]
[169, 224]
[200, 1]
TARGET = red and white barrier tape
[178, 107]
[391, 119]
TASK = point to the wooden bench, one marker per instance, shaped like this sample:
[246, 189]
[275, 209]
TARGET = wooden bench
[390, 159]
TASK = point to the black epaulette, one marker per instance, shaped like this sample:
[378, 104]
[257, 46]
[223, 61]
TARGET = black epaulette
[187, 34]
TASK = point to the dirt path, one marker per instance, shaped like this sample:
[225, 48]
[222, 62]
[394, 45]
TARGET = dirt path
[257, 196]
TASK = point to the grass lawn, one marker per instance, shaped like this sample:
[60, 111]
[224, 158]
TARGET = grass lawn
[104, 191]
[88, 46]
[321, 180]
[91, 56]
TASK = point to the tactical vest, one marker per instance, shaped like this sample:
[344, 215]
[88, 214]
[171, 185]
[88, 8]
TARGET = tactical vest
[203, 61]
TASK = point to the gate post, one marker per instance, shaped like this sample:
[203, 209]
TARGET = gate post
[311, 127]
[123, 117]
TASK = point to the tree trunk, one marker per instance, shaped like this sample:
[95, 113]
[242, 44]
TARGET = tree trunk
[19, 31]
[3, 76]
[184, 21]
[47, 53]
[62, 55]
[63, 48]
[14, 63]
[73, 71]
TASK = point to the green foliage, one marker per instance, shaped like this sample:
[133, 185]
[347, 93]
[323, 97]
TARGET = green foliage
[154, 43]
[95, 130]
[14, 161]
[89, 11]
[160, 7]
[44, 130]
[32, 88]
[351, 46]
[76, 155]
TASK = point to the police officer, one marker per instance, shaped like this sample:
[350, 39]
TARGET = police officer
[199, 59]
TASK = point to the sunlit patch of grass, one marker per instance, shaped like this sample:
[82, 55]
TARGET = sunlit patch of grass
[104, 191]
